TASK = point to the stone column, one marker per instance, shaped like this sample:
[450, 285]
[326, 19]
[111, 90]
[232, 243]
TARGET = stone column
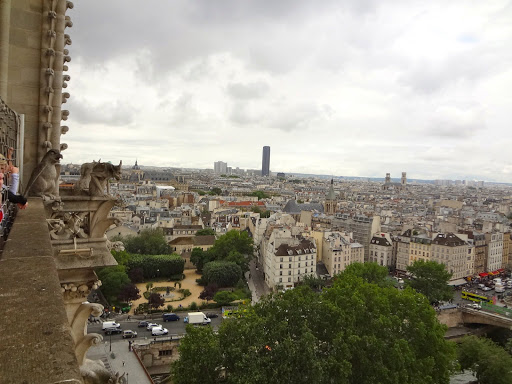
[5, 24]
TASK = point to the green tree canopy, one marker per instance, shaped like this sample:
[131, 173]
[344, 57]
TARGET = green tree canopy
[205, 232]
[112, 281]
[148, 242]
[260, 195]
[157, 265]
[200, 346]
[431, 279]
[222, 273]
[233, 241]
[353, 333]
[370, 272]
[216, 191]
[225, 297]
[490, 362]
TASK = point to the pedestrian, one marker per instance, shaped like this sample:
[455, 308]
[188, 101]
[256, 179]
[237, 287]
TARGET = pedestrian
[123, 363]
[129, 345]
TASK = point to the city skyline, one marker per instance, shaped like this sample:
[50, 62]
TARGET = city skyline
[357, 89]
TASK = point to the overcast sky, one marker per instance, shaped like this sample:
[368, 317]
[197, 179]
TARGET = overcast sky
[353, 88]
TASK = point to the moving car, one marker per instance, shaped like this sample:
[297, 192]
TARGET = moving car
[112, 331]
[171, 317]
[159, 331]
[152, 325]
[143, 323]
[128, 334]
[474, 306]
[486, 289]
[212, 315]
[110, 324]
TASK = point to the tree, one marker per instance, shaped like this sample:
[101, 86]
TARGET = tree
[112, 280]
[209, 292]
[200, 358]
[128, 292]
[205, 232]
[233, 240]
[355, 332]
[431, 279]
[490, 362]
[155, 300]
[136, 275]
[370, 272]
[222, 273]
[148, 242]
[260, 195]
[216, 191]
[224, 297]
[199, 258]
[122, 257]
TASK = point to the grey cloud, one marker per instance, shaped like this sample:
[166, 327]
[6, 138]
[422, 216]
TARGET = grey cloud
[457, 123]
[114, 114]
[247, 91]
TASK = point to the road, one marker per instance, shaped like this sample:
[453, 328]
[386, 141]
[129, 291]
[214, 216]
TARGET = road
[174, 327]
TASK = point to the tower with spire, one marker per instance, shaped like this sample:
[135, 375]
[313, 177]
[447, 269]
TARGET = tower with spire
[330, 201]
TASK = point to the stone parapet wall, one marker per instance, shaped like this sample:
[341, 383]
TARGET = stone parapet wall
[37, 346]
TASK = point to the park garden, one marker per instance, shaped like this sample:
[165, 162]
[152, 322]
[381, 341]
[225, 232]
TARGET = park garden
[150, 278]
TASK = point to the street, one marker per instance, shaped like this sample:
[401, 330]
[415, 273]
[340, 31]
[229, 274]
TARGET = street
[175, 327]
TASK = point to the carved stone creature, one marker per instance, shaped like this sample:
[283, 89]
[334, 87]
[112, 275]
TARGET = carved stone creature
[100, 175]
[85, 175]
[44, 181]
[94, 372]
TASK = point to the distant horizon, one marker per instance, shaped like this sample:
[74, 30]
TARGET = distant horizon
[300, 174]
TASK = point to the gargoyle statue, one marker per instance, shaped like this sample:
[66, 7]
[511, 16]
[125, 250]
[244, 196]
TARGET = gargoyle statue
[100, 175]
[44, 181]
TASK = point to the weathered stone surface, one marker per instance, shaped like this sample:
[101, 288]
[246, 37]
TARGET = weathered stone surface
[37, 346]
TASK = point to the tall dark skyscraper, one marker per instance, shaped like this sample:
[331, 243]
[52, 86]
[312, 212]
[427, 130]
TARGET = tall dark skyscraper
[265, 163]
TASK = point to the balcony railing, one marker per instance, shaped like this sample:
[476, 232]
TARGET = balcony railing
[10, 137]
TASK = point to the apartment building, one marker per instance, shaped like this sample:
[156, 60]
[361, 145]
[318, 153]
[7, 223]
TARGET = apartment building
[494, 254]
[506, 250]
[452, 251]
[337, 252]
[381, 250]
[420, 248]
[402, 246]
[362, 227]
[480, 252]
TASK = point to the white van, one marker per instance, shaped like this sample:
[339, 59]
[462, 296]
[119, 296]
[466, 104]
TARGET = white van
[110, 324]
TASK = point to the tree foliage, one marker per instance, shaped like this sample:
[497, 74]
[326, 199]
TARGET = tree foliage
[225, 297]
[112, 280]
[222, 273]
[155, 300]
[355, 332]
[431, 279]
[199, 258]
[490, 362]
[234, 245]
[128, 292]
[370, 272]
[216, 191]
[199, 358]
[205, 232]
[260, 195]
[209, 292]
[148, 242]
[136, 275]
[157, 265]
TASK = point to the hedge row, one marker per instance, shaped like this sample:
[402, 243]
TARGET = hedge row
[157, 265]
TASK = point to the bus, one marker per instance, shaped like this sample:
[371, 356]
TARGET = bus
[475, 297]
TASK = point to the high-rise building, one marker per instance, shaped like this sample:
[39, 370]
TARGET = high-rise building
[265, 163]
[220, 167]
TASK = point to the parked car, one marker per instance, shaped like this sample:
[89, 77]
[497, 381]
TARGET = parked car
[128, 334]
[475, 306]
[112, 331]
[212, 315]
[170, 317]
[159, 331]
[486, 289]
[152, 325]
[143, 323]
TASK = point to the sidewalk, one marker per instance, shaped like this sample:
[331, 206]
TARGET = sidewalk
[135, 373]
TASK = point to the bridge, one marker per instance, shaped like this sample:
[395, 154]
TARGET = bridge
[488, 315]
